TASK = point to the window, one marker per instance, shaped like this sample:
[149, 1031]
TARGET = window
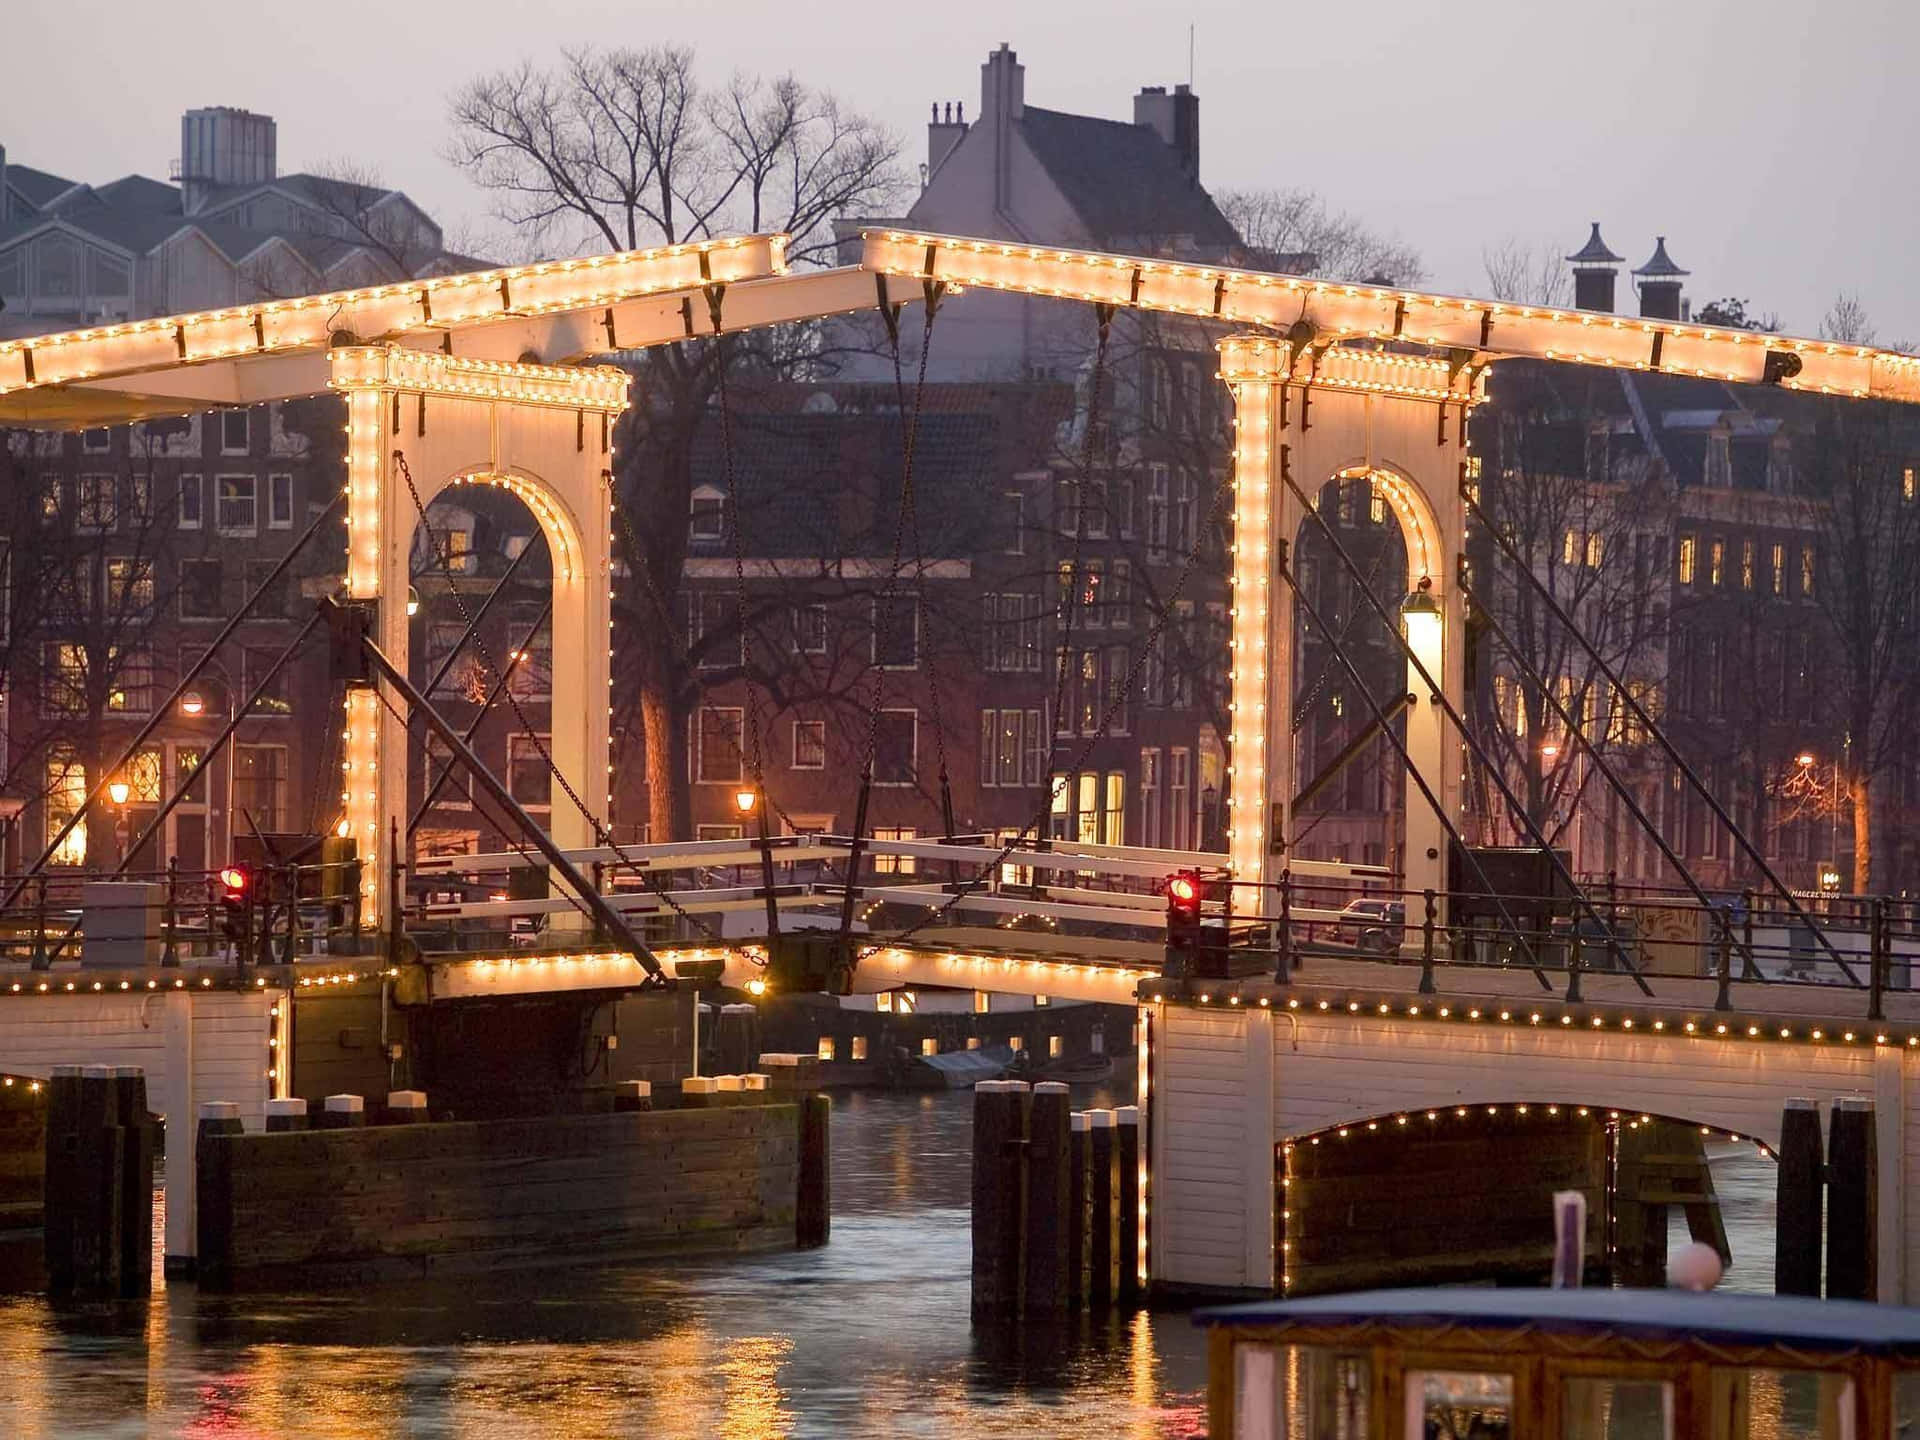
[718, 745]
[809, 744]
[129, 587]
[810, 629]
[1746, 565]
[66, 680]
[280, 502]
[1186, 516]
[1011, 639]
[140, 498]
[273, 598]
[896, 747]
[236, 510]
[1806, 572]
[707, 514]
[1086, 808]
[896, 631]
[859, 1047]
[131, 690]
[1113, 811]
[1095, 502]
[456, 781]
[1156, 512]
[192, 499]
[529, 777]
[1689, 549]
[1180, 797]
[713, 630]
[717, 832]
[1779, 569]
[1056, 1046]
[824, 1050]
[1012, 748]
[99, 442]
[256, 666]
[1376, 503]
[1569, 546]
[233, 432]
[1716, 561]
[1150, 798]
[1120, 595]
[66, 787]
[1596, 551]
[929, 1045]
[187, 763]
[532, 661]
[260, 786]
[94, 507]
[1017, 521]
[894, 864]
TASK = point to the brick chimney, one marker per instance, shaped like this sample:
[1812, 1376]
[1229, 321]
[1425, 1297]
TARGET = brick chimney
[1175, 119]
[1003, 87]
[1594, 273]
[1660, 285]
[944, 131]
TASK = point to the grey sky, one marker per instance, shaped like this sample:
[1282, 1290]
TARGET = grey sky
[1769, 140]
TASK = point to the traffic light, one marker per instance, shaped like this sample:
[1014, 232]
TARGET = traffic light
[1184, 894]
[237, 885]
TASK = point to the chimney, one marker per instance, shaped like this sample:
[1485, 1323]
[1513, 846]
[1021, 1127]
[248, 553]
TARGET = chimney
[944, 132]
[1660, 285]
[1175, 119]
[1594, 274]
[4, 216]
[221, 146]
[1003, 87]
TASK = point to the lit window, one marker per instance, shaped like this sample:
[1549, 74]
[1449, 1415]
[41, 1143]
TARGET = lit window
[1043, 1000]
[1016, 1043]
[929, 1046]
[858, 1048]
[66, 792]
[1716, 561]
[826, 1047]
[1806, 572]
[1056, 1046]
[1689, 549]
[1596, 551]
[883, 1002]
[1746, 565]
[982, 1002]
[1779, 569]
[884, 864]
[236, 509]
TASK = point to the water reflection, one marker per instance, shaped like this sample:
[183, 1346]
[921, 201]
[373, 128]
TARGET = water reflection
[867, 1336]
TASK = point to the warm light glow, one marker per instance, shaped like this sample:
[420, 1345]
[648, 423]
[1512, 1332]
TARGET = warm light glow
[745, 800]
[756, 987]
[192, 703]
[119, 790]
[1804, 759]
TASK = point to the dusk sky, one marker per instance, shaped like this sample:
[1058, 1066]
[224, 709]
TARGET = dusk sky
[1771, 142]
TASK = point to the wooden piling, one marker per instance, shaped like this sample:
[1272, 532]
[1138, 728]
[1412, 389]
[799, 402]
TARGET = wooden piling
[699, 1092]
[342, 1112]
[60, 1182]
[406, 1107]
[1103, 1194]
[213, 1179]
[1049, 1193]
[99, 1186]
[1077, 1160]
[1852, 1211]
[286, 1116]
[813, 1206]
[997, 1209]
[1800, 1200]
[1126, 1154]
[632, 1095]
[136, 1189]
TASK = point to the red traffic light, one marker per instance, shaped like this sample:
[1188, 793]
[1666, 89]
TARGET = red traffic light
[1183, 889]
[235, 879]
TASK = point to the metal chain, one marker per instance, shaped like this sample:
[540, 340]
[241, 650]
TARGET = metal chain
[601, 833]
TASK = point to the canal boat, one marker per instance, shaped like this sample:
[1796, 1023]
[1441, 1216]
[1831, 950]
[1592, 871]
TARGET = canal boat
[1448, 1364]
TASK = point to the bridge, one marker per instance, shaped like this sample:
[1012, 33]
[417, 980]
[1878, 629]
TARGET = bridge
[1277, 1028]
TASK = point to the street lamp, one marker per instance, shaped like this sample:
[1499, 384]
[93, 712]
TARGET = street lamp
[1420, 617]
[1804, 759]
[118, 791]
[413, 602]
[1550, 752]
[744, 800]
[193, 703]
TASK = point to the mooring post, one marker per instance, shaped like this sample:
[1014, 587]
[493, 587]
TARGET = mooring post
[1103, 1191]
[1126, 1155]
[1049, 1194]
[343, 1112]
[1852, 1208]
[1800, 1200]
[219, 1127]
[1077, 1161]
[136, 1190]
[60, 1198]
[406, 1107]
[996, 1208]
[99, 1185]
[285, 1116]
[813, 1207]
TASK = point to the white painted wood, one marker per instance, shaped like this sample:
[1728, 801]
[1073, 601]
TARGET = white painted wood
[1257, 1185]
[1201, 1142]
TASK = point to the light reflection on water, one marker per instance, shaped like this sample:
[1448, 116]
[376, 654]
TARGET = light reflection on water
[867, 1336]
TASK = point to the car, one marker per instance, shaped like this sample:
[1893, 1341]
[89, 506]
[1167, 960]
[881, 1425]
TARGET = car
[1373, 924]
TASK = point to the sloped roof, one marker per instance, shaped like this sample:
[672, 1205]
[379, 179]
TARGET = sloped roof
[1123, 180]
[38, 186]
[137, 192]
[1660, 265]
[1595, 251]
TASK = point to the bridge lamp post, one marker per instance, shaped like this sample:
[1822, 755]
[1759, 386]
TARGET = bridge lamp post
[1423, 622]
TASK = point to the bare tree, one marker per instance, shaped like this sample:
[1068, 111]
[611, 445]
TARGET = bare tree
[624, 148]
[1297, 230]
[1526, 273]
[1846, 320]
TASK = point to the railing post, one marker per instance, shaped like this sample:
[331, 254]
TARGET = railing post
[41, 960]
[1749, 967]
[1576, 958]
[1879, 951]
[395, 925]
[599, 883]
[1283, 960]
[293, 912]
[1722, 959]
[1426, 942]
[170, 917]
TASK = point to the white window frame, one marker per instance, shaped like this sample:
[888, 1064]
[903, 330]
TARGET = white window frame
[819, 725]
[96, 492]
[246, 423]
[193, 484]
[87, 447]
[699, 746]
[252, 527]
[805, 643]
[698, 503]
[286, 782]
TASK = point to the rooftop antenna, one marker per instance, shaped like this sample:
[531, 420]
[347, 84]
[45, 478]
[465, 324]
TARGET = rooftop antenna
[1189, 54]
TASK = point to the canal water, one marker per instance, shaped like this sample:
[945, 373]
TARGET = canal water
[868, 1336]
